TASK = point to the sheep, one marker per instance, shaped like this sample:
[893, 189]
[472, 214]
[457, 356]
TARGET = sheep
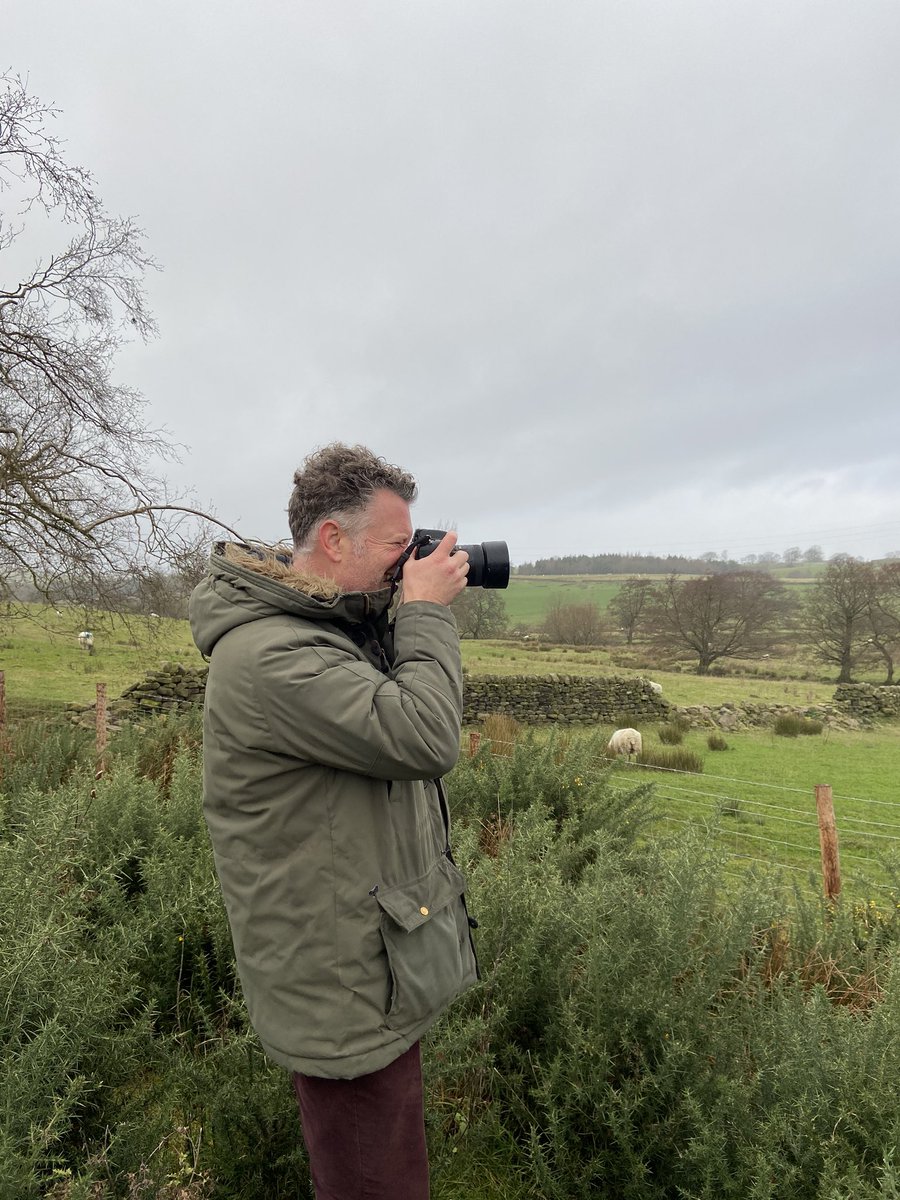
[655, 688]
[625, 741]
[86, 641]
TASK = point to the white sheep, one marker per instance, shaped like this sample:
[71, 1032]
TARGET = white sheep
[655, 688]
[86, 641]
[625, 741]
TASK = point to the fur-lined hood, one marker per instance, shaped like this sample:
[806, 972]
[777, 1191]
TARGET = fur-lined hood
[249, 582]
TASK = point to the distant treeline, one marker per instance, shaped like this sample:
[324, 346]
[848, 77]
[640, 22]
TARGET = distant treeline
[626, 564]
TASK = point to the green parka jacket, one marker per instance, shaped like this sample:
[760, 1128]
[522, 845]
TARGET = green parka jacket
[323, 746]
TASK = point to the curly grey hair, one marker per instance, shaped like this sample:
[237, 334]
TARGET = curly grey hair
[337, 482]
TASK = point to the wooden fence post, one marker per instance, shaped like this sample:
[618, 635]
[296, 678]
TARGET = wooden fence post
[102, 732]
[828, 841]
[474, 742]
[2, 701]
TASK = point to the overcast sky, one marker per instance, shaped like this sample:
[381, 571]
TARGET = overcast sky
[617, 275]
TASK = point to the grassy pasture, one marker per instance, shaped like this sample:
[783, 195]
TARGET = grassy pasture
[741, 789]
[759, 796]
[758, 799]
[532, 658]
[46, 668]
[530, 597]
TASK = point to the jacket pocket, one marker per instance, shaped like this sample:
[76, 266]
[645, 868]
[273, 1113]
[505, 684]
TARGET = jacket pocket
[426, 937]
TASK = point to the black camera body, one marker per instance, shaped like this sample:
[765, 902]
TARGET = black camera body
[488, 561]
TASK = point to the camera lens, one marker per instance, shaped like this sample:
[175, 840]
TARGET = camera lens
[488, 562]
[488, 565]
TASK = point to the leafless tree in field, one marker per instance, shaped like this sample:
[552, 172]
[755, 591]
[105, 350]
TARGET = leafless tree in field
[80, 508]
[575, 625]
[732, 615]
[836, 615]
[480, 613]
[883, 611]
[630, 603]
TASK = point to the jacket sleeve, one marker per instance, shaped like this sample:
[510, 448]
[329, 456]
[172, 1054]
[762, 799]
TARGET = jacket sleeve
[321, 703]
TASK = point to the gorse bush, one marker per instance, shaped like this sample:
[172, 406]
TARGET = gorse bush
[123, 1022]
[639, 1030]
[637, 1035]
[563, 776]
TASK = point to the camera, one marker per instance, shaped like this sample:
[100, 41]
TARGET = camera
[488, 561]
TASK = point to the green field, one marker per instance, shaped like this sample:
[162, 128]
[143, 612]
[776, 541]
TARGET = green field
[530, 597]
[44, 664]
[760, 796]
[679, 687]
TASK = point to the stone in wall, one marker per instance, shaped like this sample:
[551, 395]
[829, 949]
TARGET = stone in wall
[866, 701]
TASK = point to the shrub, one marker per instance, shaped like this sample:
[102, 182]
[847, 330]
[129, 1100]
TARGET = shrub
[639, 1034]
[716, 741]
[562, 776]
[809, 727]
[793, 725]
[575, 625]
[640, 1030]
[671, 734]
[679, 759]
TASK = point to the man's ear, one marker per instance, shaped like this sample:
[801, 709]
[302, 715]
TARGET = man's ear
[331, 540]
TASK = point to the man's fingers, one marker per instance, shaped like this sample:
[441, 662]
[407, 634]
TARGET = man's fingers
[446, 544]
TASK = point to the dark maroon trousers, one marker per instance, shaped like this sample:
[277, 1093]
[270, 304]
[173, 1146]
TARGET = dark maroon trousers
[366, 1136]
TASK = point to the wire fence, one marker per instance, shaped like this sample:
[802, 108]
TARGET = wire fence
[756, 822]
[851, 844]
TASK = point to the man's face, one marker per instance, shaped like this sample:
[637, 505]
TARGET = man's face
[386, 534]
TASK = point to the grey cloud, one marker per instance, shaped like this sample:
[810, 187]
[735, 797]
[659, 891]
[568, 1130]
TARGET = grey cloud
[597, 267]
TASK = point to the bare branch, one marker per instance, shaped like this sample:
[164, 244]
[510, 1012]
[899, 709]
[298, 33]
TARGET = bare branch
[80, 506]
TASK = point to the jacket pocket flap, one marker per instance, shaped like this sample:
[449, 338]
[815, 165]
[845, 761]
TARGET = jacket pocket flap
[412, 904]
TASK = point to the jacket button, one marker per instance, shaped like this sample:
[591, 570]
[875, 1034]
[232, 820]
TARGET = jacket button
[424, 911]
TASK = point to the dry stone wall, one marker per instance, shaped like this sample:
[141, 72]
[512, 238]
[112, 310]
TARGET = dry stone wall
[171, 688]
[866, 702]
[562, 699]
[532, 700]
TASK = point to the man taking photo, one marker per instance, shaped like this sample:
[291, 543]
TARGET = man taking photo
[326, 732]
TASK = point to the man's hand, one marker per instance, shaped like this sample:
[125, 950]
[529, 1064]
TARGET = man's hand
[440, 577]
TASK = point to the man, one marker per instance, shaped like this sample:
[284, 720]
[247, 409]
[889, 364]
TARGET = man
[326, 732]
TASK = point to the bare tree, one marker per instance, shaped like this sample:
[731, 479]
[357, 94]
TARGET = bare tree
[77, 498]
[480, 613]
[575, 625]
[836, 614]
[730, 615]
[883, 612]
[630, 603]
